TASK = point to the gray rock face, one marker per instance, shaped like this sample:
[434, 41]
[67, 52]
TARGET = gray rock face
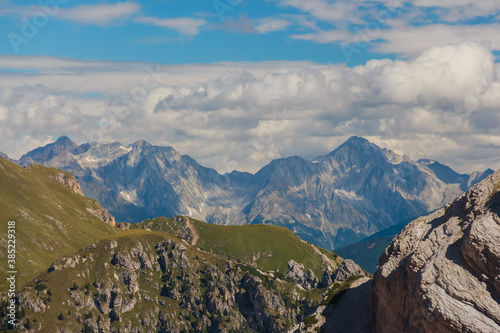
[296, 271]
[441, 274]
[347, 269]
[31, 301]
[337, 199]
[126, 261]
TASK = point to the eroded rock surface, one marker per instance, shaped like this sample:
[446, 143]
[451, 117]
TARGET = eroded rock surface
[441, 274]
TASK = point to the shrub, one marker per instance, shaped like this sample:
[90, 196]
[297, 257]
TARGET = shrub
[40, 287]
[311, 320]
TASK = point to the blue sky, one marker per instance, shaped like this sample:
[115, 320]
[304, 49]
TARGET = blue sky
[258, 81]
[176, 32]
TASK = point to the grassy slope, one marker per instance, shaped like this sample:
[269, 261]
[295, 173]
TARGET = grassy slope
[271, 246]
[97, 268]
[51, 219]
[59, 282]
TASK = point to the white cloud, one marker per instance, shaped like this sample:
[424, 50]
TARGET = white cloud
[325, 37]
[442, 104]
[457, 10]
[101, 14]
[390, 26]
[184, 25]
[409, 40]
[266, 25]
[332, 11]
[404, 39]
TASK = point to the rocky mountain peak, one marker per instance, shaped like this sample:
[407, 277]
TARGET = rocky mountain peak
[444, 268]
[356, 151]
[65, 141]
[141, 144]
[359, 187]
[49, 151]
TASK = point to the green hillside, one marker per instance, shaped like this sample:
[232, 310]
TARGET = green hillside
[138, 280]
[51, 219]
[267, 247]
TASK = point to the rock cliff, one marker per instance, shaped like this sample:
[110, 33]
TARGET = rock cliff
[442, 273]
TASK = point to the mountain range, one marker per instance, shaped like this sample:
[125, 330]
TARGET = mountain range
[440, 274]
[332, 201]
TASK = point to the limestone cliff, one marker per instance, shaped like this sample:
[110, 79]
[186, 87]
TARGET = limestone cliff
[442, 273]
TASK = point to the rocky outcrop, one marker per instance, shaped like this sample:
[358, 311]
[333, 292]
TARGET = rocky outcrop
[347, 269]
[185, 229]
[69, 181]
[296, 272]
[441, 274]
[108, 218]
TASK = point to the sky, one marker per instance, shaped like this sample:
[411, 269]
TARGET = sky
[236, 84]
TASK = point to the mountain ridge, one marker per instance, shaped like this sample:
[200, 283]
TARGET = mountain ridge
[333, 200]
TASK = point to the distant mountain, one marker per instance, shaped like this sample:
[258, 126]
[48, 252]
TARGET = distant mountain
[4, 156]
[332, 201]
[449, 176]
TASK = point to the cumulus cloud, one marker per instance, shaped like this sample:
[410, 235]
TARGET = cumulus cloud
[441, 104]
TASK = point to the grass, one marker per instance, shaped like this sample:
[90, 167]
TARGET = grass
[97, 268]
[268, 247]
[51, 219]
